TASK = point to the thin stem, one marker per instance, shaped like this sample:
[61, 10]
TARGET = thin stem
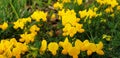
[14, 9]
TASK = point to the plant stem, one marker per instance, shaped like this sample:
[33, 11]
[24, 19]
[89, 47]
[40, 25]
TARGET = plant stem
[14, 9]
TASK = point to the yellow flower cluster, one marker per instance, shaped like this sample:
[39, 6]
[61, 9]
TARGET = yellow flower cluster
[27, 38]
[74, 51]
[21, 22]
[11, 48]
[112, 3]
[70, 23]
[81, 46]
[37, 15]
[90, 13]
[4, 26]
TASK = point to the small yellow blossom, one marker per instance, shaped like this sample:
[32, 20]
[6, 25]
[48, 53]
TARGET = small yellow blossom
[108, 10]
[85, 45]
[74, 52]
[79, 28]
[4, 26]
[37, 15]
[91, 48]
[91, 13]
[58, 5]
[78, 44]
[53, 47]
[95, 8]
[79, 2]
[27, 38]
[43, 46]
[20, 23]
[66, 45]
[118, 7]
[83, 13]
[99, 48]
[34, 28]
[112, 3]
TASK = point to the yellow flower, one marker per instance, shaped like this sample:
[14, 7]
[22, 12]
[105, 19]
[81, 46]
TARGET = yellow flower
[91, 13]
[79, 28]
[73, 31]
[61, 13]
[79, 2]
[13, 41]
[34, 28]
[95, 8]
[99, 48]
[27, 38]
[53, 47]
[16, 52]
[83, 13]
[58, 5]
[70, 21]
[43, 46]
[37, 15]
[4, 26]
[118, 7]
[108, 10]
[12, 48]
[78, 44]
[74, 51]
[66, 45]
[85, 45]
[91, 48]
[113, 3]
[18, 24]
[21, 22]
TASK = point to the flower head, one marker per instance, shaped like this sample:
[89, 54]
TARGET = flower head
[99, 48]
[53, 47]
[66, 46]
[4, 26]
[37, 15]
[43, 46]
